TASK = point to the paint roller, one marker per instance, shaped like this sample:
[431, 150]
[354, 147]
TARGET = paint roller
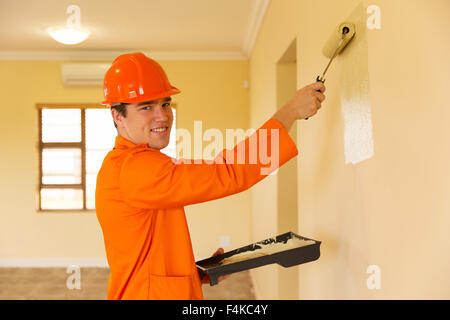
[341, 36]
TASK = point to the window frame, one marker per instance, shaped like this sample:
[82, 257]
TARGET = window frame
[64, 145]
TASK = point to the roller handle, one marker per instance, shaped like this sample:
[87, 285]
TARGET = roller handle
[318, 80]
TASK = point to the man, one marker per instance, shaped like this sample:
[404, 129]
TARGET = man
[141, 192]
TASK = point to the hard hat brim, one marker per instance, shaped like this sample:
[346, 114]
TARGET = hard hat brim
[141, 98]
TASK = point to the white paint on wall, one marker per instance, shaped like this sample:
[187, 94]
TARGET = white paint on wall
[358, 137]
[355, 93]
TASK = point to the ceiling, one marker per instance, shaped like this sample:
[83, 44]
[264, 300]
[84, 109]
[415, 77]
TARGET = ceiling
[174, 29]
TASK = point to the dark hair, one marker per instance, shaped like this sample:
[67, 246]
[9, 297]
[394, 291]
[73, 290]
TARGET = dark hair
[121, 109]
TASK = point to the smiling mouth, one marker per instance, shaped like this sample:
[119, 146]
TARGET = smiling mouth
[160, 129]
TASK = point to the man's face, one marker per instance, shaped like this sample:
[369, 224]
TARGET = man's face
[148, 122]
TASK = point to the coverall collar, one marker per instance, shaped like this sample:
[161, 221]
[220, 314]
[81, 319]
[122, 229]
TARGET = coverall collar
[123, 143]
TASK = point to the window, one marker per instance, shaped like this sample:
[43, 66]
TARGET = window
[73, 141]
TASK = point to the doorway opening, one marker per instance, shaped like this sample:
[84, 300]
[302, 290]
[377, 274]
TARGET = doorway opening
[287, 217]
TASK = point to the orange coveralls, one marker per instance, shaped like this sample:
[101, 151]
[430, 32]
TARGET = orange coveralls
[140, 197]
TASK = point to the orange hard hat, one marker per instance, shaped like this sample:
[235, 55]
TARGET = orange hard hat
[133, 78]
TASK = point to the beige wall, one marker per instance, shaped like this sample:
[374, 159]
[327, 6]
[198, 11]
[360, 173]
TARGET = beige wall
[212, 91]
[391, 210]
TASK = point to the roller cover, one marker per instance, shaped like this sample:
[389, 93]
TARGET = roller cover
[335, 39]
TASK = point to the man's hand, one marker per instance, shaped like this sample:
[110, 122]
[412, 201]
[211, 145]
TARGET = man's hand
[305, 103]
[206, 278]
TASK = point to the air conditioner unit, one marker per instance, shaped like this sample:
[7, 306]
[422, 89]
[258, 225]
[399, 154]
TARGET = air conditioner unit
[84, 74]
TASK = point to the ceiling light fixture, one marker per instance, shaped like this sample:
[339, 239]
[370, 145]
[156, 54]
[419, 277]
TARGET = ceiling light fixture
[68, 35]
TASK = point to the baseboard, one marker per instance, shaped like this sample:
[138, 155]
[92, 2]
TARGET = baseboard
[53, 262]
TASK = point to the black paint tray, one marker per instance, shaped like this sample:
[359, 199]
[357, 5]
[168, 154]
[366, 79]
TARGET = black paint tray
[215, 267]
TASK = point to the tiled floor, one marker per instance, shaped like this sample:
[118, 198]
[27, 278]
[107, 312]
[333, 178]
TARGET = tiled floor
[51, 284]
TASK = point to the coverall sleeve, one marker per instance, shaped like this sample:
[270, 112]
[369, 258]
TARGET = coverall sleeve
[152, 180]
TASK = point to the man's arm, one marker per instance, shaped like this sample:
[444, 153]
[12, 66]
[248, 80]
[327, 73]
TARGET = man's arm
[152, 180]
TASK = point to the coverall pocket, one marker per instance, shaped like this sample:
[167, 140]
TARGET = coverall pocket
[170, 287]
